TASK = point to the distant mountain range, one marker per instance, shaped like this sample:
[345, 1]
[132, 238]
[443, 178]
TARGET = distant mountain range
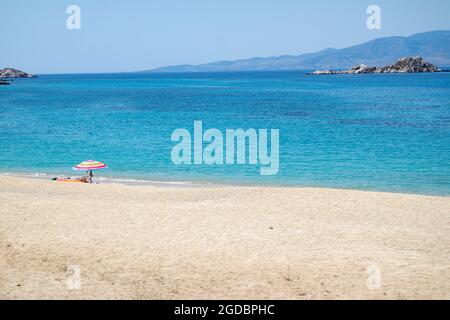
[433, 46]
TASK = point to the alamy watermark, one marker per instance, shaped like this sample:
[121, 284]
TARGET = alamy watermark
[73, 22]
[212, 147]
[374, 279]
[73, 281]
[374, 19]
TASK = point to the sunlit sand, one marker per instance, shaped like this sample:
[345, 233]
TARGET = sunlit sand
[159, 242]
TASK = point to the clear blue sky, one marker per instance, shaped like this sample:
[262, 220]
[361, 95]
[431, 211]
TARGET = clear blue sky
[131, 35]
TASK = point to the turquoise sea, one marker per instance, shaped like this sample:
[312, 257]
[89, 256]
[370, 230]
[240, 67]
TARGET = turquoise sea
[370, 132]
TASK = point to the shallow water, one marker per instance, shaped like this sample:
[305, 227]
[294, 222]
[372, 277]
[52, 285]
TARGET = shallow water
[370, 132]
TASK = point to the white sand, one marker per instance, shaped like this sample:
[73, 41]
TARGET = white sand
[146, 242]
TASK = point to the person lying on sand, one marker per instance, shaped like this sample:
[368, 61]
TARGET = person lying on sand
[84, 179]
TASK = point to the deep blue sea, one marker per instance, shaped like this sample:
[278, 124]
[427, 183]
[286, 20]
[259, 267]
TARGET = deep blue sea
[370, 132]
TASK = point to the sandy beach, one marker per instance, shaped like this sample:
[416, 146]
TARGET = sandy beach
[160, 242]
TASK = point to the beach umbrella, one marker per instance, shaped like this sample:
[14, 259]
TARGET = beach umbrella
[90, 165]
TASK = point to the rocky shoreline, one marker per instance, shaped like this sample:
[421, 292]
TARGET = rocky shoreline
[404, 65]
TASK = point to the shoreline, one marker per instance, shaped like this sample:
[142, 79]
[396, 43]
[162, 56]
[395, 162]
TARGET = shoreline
[132, 181]
[160, 242]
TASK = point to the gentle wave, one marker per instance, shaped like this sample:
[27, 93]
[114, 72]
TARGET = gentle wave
[127, 181]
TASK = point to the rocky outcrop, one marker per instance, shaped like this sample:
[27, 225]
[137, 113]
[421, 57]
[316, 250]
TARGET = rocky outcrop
[404, 65]
[362, 68]
[409, 65]
[14, 73]
[355, 70]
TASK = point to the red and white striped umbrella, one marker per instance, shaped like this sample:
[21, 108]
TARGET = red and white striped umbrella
[89, 165]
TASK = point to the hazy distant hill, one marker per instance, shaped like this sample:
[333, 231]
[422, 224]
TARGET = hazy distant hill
[433, 46]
